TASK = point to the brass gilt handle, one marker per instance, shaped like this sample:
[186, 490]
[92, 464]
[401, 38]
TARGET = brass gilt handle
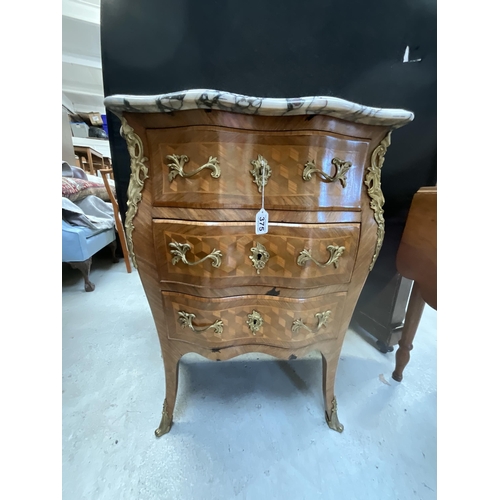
[335, 254]
[179, 254]
[254, 322]
[177, 167]
[186, 320]
[259, 257]
[341, 168]
[322, 318]
[261, 172]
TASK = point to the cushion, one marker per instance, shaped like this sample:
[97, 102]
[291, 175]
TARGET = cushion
[69, 171]
[76, 189]
[78, 173]
[66, 169]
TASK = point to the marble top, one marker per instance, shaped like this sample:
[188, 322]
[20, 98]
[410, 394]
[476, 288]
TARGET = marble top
[267, 106]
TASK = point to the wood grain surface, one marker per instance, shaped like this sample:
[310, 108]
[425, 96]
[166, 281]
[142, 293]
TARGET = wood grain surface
[284, 242]
[278, 315]
[417, 260]
[417, 254]
[247, 215]
[234, 291]
[285, 152]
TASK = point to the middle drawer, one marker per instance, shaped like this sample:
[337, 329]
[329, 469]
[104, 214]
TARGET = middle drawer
[230, 254]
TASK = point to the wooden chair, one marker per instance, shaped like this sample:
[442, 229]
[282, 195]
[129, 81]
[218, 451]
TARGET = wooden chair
[119, 226]
[108, 165]
[104, 163]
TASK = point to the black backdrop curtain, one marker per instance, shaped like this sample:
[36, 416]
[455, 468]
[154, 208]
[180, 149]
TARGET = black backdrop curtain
[350, 49]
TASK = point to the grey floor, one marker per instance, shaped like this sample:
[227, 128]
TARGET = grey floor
[249, 428]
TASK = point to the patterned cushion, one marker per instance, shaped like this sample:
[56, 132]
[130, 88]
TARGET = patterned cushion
[76, 189]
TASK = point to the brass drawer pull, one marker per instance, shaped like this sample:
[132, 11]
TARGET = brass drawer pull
[179, 253]
[261, 172]
[335, 254]
[186, 320]
[341, 168]
[178, 162]
[322, 318]
[254, 322]
[259, 257]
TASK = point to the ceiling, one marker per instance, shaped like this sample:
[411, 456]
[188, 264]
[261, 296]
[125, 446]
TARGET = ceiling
[82, 86]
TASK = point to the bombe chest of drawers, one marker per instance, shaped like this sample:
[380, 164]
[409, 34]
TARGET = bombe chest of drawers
[203, 164]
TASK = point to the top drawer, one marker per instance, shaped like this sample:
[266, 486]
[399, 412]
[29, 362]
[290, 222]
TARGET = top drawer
[210, 167]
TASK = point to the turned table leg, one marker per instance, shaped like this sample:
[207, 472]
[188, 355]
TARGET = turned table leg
[413, 314]
[84, 267]
[171, 380]
[329, 370]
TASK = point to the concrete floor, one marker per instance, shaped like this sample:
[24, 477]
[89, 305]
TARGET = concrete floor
[249, 428]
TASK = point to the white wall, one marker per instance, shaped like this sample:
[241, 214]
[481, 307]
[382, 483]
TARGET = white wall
[81, 55]
[82, 87]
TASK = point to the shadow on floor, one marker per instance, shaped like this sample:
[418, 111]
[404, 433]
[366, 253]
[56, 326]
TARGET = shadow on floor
[269, 379]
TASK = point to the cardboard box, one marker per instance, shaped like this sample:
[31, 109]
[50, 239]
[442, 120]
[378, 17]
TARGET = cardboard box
[79, 129]
[95, 119]
[92, 119]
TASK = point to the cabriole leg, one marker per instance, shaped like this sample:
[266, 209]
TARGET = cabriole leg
[84, 267]
[329, 369]
[172, 379]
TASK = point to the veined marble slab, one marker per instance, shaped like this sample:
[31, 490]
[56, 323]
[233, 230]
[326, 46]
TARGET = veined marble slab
[267, 106]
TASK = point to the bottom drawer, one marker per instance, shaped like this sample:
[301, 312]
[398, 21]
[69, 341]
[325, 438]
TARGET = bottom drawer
[252, 319]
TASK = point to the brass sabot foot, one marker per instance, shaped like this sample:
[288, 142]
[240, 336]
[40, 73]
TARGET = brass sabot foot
[166, 422]
[333, 421]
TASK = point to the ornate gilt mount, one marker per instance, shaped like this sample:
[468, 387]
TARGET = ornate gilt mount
[322, 318]
[333, 420]
[138, 174]
[177, 163]
[259, 257]
[335, 254]
[372, 181]
[254, 322]
[179, 251]
[261, 172]
[186, 321]
[341, 168]
[165, 423]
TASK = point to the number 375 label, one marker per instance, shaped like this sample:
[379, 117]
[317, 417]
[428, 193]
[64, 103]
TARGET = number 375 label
[261, 222]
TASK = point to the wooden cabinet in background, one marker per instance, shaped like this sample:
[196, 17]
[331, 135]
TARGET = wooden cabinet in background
[92, 161]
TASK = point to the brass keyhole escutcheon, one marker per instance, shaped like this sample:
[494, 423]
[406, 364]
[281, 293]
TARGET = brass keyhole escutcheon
[259, 257]
[254, 322]
[261, 172]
